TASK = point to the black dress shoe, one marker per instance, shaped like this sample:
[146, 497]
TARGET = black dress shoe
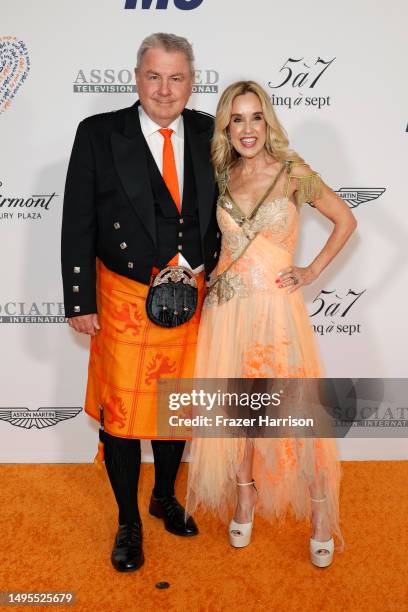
[172, 513]
[127, 553]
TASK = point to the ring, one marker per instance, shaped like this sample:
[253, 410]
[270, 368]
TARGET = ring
[295, 280]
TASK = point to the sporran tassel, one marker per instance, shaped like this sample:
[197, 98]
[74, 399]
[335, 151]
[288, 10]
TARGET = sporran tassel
[177, 318]
[164, 315]
[184, 314]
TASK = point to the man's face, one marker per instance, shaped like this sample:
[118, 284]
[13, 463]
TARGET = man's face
[164, 83]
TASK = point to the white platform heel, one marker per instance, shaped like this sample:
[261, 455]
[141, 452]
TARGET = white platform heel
[240, 533]
[321, 553]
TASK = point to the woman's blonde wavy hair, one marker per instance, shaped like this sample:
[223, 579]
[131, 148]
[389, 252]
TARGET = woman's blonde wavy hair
[222, 152]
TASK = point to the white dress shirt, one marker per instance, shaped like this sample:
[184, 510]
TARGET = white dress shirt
[155, 140]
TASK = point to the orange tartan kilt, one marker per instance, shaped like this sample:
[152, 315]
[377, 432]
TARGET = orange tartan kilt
[130, 353]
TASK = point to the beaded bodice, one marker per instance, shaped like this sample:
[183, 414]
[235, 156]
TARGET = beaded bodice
[255, 243]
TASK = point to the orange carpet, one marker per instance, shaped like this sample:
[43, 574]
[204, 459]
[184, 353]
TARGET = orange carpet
[58, 523]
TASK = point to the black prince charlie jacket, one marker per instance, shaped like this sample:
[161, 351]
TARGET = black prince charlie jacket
[110, 210]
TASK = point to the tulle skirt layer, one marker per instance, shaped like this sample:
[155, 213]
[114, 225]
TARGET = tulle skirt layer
[263, 334]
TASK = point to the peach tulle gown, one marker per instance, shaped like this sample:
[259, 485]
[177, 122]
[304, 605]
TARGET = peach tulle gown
[258, 330]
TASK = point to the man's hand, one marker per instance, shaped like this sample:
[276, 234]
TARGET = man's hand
[85, 324]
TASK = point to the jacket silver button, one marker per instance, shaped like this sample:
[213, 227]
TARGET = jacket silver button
[215, 254]
[130, 265]
[77, 269]
[77, 309]
[75, 288]
[123, 245]
[181, 221]
[180, 247]
[116, 225]
[180, 234]
[218, 234]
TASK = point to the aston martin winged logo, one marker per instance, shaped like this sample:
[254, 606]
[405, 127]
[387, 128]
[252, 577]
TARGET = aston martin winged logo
[40, 418]
[354, 196]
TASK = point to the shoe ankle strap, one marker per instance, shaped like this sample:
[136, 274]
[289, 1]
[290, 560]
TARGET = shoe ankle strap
[246, 484]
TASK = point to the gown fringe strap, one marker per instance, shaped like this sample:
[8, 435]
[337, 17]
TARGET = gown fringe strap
[309, 186]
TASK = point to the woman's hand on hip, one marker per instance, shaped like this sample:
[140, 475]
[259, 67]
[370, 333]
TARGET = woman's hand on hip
[293, 278]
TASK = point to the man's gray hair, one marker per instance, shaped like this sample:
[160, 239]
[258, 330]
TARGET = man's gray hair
[170, 43]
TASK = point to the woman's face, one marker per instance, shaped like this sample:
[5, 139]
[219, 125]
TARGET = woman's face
[247, 125]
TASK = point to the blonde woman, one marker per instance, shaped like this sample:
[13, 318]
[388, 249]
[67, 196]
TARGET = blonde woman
[255, 324]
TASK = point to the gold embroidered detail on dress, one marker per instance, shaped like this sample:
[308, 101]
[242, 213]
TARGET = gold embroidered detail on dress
[236, 243]
[222, 181]
[227, 286]
[231, 209]
[309, 186]
[272, 217]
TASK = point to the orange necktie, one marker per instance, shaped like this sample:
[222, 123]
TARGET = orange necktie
[169, 167]
[170, 176]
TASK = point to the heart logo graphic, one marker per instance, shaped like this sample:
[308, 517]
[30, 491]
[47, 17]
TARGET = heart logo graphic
[14, 68]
